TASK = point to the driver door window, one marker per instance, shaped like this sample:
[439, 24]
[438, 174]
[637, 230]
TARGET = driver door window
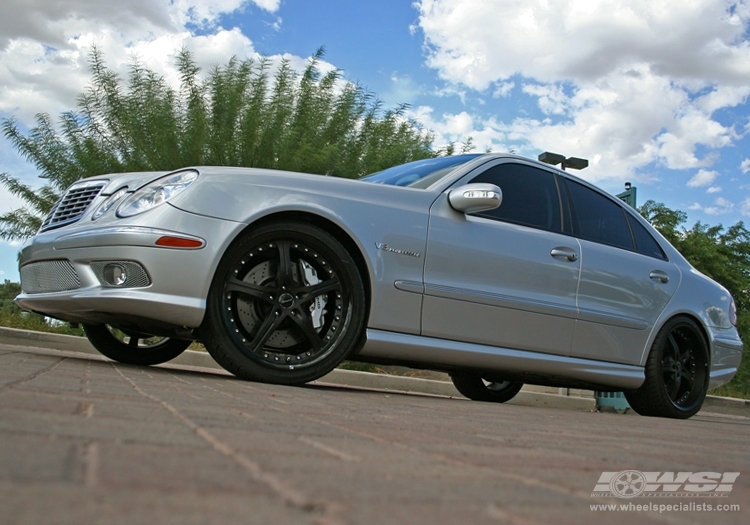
[530, 196]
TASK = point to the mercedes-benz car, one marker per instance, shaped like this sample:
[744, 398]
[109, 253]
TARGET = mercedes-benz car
[496, 269]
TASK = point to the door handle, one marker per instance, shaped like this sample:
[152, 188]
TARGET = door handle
[567, 253]
[660, 276]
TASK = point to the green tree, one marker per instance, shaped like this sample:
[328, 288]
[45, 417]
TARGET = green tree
[722, 254]
[239, 114]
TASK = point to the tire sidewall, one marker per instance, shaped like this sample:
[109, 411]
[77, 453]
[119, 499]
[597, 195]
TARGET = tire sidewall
[108, 345]
[652, 399]
[471, 385]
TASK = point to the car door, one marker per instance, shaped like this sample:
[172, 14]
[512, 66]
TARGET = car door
[507, 277]
[626, 280]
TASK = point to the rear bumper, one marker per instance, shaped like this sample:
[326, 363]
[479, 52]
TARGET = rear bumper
[726, 347]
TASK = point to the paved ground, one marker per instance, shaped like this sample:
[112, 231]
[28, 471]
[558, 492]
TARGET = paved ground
[85, 441]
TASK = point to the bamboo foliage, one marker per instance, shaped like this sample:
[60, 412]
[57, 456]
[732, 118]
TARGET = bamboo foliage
[238, 114]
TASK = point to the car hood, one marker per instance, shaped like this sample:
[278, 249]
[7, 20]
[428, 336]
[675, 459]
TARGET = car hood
[242, 194]
[133, 180]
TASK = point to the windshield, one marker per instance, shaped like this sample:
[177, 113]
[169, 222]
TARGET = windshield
[420, 173]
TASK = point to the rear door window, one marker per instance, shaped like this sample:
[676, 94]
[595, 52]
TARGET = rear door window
[597, 218]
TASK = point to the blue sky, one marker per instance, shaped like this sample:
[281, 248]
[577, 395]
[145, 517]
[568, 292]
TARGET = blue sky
[654, 92]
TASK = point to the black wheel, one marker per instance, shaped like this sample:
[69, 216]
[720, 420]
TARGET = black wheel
[677, 373]
[133, 348]
[476, 387]
[286, 306]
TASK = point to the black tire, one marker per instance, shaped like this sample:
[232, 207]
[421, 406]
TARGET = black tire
[475, 387]
[286, 305]
[134, 348]
[677, 372]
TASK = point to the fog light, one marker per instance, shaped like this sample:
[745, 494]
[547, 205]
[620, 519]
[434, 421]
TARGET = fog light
[120, 274]
[115, 274]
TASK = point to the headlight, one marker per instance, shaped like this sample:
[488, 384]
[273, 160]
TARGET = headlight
[156, 193]
[109, 203]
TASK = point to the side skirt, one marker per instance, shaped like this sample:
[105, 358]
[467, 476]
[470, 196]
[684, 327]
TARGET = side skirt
[444, 354]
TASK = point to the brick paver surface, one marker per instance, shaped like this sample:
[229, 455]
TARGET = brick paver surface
[85, 441]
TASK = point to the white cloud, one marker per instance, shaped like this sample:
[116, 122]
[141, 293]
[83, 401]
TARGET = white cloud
[269, 5]
[552, 98]
[277, 24]
[44, 54]
[503, 90]
[457, 128]
[721, 206]
[642, 78]
[702, 178]
[45, 45]
[745, 166]
[403, 89]
[713, 189]
[552, 40]
[745, 207]
[54, 23]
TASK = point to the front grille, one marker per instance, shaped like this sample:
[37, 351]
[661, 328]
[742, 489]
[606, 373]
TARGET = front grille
[49, 276]
[73, 204]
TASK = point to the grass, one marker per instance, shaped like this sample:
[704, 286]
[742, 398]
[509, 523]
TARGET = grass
[12, 317]
[736, 388]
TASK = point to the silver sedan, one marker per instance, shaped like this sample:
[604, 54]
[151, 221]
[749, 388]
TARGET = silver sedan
[494, 268]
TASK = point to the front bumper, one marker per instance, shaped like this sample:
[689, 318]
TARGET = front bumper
[62, 271]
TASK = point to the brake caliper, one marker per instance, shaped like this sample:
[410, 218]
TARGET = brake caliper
[317, 308]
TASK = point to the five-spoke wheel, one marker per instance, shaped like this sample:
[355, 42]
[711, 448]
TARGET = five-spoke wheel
[478, 388]
[677, 372]
[286, 306]
[134, 348]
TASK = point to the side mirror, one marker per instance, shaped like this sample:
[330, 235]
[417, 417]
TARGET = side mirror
[473, 198]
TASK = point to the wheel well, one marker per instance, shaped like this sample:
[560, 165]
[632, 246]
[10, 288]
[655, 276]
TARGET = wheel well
[701, 329]
[346, 241]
